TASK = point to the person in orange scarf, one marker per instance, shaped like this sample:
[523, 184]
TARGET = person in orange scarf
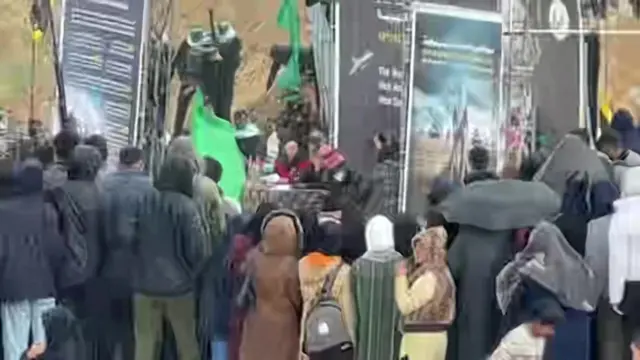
[315, 267]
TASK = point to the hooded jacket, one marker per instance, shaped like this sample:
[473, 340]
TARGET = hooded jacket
[377, 317]
[623, 123]
[31, 249]
[171, 245]
[272, 328]
[205, 191]
[81, 195]
[122, 195]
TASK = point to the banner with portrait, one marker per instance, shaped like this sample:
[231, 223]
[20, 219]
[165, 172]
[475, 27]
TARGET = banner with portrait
[455, 96]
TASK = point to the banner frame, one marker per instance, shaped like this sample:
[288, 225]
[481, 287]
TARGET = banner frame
[453, 11]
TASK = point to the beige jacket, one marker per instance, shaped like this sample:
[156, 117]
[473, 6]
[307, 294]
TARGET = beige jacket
[312, 276]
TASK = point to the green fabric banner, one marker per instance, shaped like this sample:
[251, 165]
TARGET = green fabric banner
[289, 20]
[215, 137]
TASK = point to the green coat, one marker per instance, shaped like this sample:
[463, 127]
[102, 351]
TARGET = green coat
[377, 316]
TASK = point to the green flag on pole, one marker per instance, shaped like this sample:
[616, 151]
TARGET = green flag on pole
[215, 137]
[289, 20]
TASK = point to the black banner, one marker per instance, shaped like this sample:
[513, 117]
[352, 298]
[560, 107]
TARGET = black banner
[102, 44]
[372, 76]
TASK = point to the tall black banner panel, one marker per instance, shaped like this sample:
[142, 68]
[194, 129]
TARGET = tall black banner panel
[372, 76]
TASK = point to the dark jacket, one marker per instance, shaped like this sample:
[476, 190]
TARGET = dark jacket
[479, 175]
[31, 249]
[81, 197]
[65, 340]
[171, 246]
[122, 196]
[217, 287]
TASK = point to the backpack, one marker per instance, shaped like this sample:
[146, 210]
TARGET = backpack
[325, 330]
[72, 226]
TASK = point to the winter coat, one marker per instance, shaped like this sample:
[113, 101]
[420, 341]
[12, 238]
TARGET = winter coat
[217, 290]
[31, 248]
[122, 195]
[377, 316]
[169, 220]
[206, 192]
[623, 123]
[314, 269]
[272, 327]
[475, 259]
[82, 194]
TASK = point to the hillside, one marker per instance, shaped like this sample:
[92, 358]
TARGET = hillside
[255, 21]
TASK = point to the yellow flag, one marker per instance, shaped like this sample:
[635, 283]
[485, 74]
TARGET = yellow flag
[37, 35]
[605, 108]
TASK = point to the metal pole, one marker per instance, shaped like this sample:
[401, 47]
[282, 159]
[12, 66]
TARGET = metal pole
[572, 32]
[32, 85]
[65, 122]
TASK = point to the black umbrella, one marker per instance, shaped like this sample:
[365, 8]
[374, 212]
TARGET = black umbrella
[501, 204]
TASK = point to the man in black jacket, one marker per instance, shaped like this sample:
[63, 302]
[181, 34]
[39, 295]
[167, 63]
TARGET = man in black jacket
[56, 174]
[31, 253]
[122, 195]
[171, 248]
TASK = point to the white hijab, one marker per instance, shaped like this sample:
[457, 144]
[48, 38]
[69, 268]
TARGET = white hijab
[379, 237]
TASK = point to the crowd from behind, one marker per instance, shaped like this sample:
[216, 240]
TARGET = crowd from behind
[107, 264]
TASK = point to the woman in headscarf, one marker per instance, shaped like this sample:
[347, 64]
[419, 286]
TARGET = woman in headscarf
[291, 163]
[377, 336]
[272, 326]
[425, 295]
[241, 245]
[314, 270]
[535, 289]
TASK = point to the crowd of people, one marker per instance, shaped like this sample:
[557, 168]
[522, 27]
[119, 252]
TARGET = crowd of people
[100, 263]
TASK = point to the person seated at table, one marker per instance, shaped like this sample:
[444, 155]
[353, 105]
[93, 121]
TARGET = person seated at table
[291, 163]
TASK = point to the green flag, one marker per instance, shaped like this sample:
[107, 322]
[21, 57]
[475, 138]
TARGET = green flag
[289, 20]
[215, 137]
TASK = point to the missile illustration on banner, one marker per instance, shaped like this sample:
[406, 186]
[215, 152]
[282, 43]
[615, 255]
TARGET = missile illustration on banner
[361, 62]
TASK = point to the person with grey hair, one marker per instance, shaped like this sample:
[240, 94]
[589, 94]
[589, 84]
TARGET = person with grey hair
[613, 329]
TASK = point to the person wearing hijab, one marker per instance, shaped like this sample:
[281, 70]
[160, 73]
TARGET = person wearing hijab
[314, 269]
[290, 165]
[377, 335]
[425, 295]
[272, 326]
[241, 244]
